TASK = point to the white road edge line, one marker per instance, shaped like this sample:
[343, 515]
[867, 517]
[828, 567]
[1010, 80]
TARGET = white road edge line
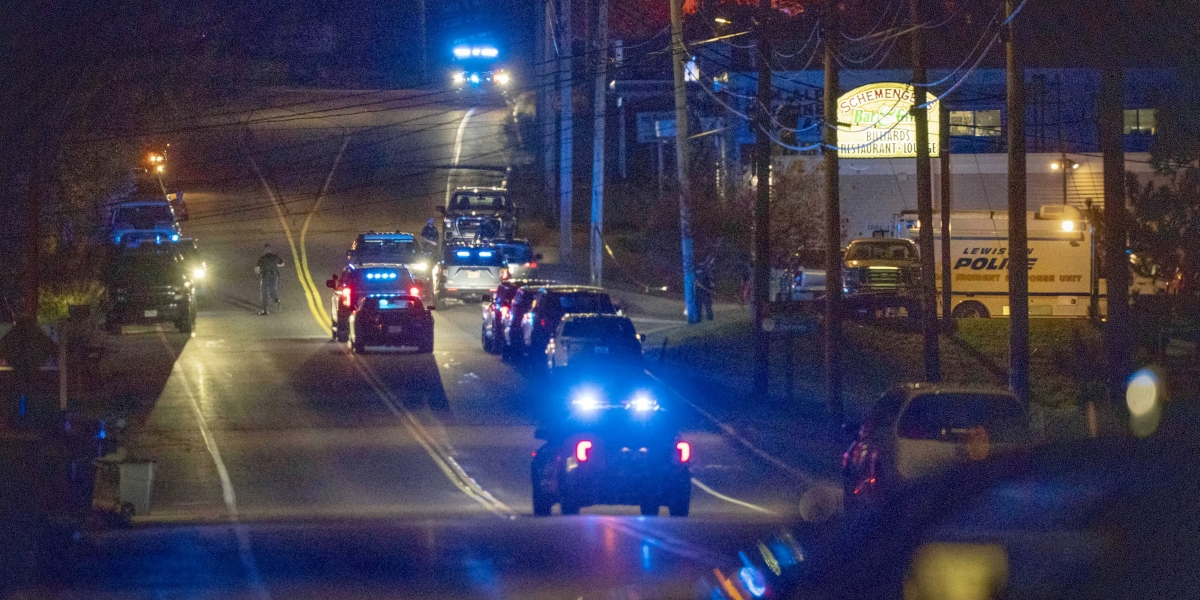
[453, 471]
[731, 500]
[731, 432]
[304, 231]
[227, 492]
[458, 138]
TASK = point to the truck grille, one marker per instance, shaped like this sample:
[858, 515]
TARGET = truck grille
[882, 279]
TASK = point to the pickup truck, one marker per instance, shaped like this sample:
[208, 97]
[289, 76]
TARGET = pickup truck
[881, 275]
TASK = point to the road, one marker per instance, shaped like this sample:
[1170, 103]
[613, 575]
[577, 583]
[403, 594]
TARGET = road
[289, 467]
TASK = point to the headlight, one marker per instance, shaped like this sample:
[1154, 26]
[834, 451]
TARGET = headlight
[503, 78]
[586, 400]
[199, 273]
[643, 402]
[421, 266]
[460, 77]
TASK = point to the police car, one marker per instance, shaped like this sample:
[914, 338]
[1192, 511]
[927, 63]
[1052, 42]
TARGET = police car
[613, 445]
[373, 249]
[356, 283]
[397, 320]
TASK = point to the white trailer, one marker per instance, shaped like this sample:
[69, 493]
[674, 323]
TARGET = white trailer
[1061, 261]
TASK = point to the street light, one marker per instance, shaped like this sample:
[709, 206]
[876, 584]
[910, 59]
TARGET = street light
[1065, 165]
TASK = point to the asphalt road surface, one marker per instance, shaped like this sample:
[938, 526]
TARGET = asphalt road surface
[288, 467]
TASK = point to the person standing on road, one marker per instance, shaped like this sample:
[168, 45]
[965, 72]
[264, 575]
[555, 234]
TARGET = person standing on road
[268, 277]
[429, 234]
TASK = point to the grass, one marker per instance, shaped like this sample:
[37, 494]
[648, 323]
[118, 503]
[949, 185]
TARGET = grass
[876, 355]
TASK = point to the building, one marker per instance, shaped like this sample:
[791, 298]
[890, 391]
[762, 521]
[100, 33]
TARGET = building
[1063, 162]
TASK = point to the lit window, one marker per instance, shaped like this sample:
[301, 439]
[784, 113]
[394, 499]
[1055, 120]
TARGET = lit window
[1140, 121]
[979, 123]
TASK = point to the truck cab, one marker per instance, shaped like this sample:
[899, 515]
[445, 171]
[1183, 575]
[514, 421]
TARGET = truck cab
[479, 214]
[881, 274]
[144, 220]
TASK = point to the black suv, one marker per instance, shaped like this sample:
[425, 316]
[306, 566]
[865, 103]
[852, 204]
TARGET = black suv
[533, 331]
[491, 333]
[150, 284]
[391, 320]
[614, 446]
[354, 284]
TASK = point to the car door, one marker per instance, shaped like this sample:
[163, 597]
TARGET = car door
[935, 431]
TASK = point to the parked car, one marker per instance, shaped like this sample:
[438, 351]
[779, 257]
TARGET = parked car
[881, 274]
[354, 284]
[616, 446]
[497, 309]
[920, 429]
[479, 214]
[521, 259]
[150, 284]
[549, 306]
[139, 221]
[469, 273]
[398, 320]
[583, 340]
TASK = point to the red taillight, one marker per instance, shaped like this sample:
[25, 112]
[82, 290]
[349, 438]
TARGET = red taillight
[531, 265]
[414, 291]
[503, 311]
[503, 274]
[542, 322]
[345, 292]
[582, 450]
[685, 451]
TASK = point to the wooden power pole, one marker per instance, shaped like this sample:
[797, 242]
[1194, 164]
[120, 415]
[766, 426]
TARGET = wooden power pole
[566, 134]
[762, 205]
[598, 131]
[1018, 240]
[1117, 330]
[920, 113]
[679, 59]
[833, 218]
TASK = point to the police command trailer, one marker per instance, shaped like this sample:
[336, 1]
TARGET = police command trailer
[1061, 260]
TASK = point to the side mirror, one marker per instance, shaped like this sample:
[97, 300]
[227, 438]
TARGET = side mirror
[440, 209]
[537, 257]
[431, 307]
[641, 337]
[540, 433]
[331, 283]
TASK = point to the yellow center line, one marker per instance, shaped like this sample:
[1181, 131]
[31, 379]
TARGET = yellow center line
[304, 233]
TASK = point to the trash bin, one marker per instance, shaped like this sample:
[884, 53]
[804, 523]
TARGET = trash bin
[136, 486]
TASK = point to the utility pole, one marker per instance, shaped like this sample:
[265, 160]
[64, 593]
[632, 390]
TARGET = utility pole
[566, 132]
[833, 219]
[546, 100]
[1117, 328]
[679, 55]
[946, 205]
[600, 110]
[762, 204]
[422, 42]
[1018, 239]
[920, 113]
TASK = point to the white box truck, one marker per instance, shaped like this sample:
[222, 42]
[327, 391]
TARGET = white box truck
[1061, 261]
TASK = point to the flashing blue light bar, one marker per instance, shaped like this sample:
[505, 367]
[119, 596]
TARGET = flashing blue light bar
[463, 253]
[382, 275]
[485, 254]
[462, 52]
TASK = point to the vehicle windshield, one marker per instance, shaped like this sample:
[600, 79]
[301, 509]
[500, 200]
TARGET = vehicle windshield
[400, 304]
[481, 200]
[385, 251]
[957, 416]
[142, 217]
[517, 253]
[585, 302]
[879, 250]
[599, 328]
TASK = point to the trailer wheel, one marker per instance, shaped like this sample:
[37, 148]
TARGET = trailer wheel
[971, 309]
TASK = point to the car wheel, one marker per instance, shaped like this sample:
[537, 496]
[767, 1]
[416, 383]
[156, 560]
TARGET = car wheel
[681, 501]
[426, 347]
[488, 345]
[356, 346]
[650, 509]
[542, 503]
[184, 325]
[970, 309]
[342, 334]
[333, 329]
